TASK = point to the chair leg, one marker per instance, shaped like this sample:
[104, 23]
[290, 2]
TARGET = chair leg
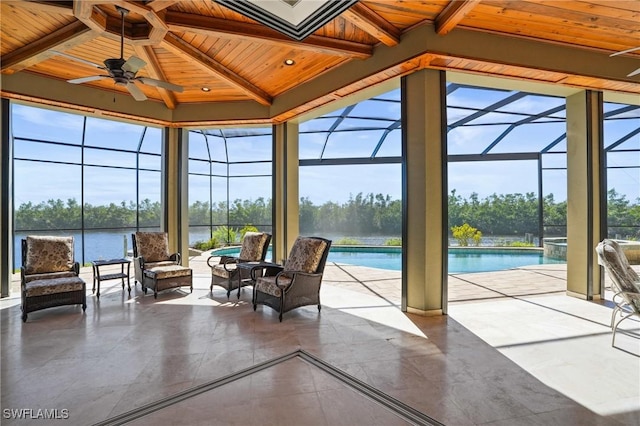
[615, 328]
[280, 316]
[319, 307]
[24, 317]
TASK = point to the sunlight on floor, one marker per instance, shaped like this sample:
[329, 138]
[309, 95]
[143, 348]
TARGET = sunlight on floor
[565, 343]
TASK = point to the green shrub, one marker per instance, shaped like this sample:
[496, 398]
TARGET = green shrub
[207, 245]
[393, 242]
[225, 235]
[247, 228]
[346, 241]
[466, 233]
[520, 244]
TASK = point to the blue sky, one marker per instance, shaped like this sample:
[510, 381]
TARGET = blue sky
[320, 184]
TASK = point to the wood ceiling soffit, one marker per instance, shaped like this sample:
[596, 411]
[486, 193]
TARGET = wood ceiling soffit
[159, 5]
[210, 26]
[452, 14]
[186, 51]
[147, 54]
[60, 7]
[62, 39]
[372, 23]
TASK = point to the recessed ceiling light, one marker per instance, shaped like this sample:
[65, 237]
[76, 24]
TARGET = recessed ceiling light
[289, 62]
[206, 89]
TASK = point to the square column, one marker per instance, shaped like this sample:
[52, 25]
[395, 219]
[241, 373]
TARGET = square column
[6, 200]
[286, 210]
[586, 192]
[424, 171]
[175, 190]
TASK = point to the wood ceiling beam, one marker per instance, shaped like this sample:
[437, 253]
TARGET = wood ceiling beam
[62, 39]
[158, 5]
[147, 54]
[60, 7]
[209, 26]
[372, 23]
[191, 54]
[452, 14]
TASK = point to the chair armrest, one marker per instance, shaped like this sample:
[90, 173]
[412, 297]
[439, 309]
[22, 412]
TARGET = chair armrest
[22, 276]
[176, 257]
[209, 259]
[223, 259]
[301, 282]
[140, 260]
[271, 269]
[76, 268]
[229, 260]
[294, 274]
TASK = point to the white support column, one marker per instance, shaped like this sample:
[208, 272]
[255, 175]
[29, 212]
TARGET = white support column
[585, 192]
[425, 233]
[286, 210]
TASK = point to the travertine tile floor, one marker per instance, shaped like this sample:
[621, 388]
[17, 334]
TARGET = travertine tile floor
[503, 355]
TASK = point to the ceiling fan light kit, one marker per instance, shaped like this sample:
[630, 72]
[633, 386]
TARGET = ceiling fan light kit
[123, 72]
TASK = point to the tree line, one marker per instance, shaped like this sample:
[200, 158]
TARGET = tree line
[370, 214]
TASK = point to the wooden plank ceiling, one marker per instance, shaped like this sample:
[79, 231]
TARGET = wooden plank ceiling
[200, 44]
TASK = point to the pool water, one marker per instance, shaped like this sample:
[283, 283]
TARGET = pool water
[460, 260]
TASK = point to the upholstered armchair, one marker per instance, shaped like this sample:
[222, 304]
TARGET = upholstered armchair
[625, 283]
[155, 268]
[297, 282]
[226, 272]
[49, 274]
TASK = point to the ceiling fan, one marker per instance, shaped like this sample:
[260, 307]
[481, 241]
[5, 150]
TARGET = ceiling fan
[123, 72]
[622, 52]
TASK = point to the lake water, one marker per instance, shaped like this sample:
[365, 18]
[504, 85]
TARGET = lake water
[113, 244]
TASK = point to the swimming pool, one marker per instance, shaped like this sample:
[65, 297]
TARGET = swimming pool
[461, 260]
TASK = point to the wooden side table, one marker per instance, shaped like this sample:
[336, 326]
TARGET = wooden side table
[97, 277]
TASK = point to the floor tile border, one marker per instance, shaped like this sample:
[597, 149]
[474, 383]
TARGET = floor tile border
[402, 410]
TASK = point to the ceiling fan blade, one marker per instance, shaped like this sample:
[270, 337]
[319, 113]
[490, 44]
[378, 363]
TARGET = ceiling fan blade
[622, 52]
[632, 73]
[136, 92]
[84, 61]
[159, 83]
[87, 79]
[133, 64]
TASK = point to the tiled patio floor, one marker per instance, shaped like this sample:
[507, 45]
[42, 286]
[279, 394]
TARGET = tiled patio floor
[513, 350]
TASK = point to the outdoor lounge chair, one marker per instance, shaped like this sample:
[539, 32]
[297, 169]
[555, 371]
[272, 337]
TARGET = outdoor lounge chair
[226, 272]
[295, 284]
[49, 275]
[626, 283]
[155, 268]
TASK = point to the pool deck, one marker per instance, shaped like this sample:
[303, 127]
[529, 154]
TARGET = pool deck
[523, 313]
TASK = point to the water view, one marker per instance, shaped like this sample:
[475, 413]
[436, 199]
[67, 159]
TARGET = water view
[114, 244]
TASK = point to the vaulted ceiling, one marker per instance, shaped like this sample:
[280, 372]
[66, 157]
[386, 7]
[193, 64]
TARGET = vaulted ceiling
[201, 44]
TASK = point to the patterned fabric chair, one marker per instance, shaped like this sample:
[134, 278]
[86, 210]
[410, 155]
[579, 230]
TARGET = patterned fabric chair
[295, 284]
[155, 268]
[626, 283]
[49, 275]
[227, 275]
